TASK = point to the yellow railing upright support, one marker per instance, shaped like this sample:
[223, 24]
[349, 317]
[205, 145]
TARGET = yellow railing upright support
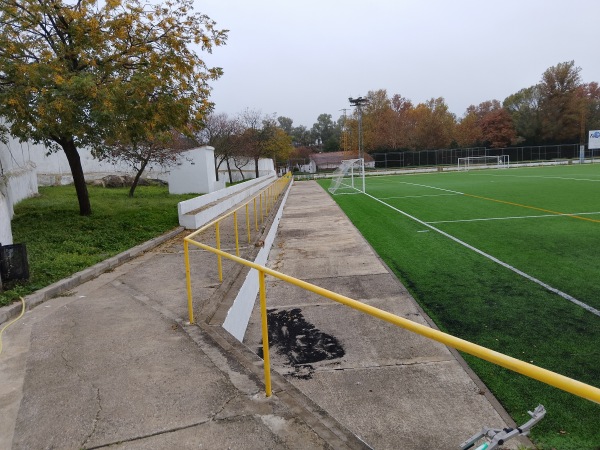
[237, 239]
[265, 331]
[261, 207]
[255, 216]
[188, 280]
[248, 222]
[219, 262]
[267, 200]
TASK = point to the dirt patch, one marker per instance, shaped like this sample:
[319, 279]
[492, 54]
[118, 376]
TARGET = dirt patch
[300, 342]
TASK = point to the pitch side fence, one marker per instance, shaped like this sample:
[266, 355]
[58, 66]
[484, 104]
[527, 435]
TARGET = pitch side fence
[267, 201]
[449, 157]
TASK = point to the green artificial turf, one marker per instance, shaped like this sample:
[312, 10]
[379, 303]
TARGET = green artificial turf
[476, 299]
[60, 242]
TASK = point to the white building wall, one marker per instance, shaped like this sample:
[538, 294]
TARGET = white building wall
[266, 167]
[311, 167]
[54, 170]
[17, 181]
[195, 173]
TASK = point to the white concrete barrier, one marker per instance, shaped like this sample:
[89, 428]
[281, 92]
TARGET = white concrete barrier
[199, 211]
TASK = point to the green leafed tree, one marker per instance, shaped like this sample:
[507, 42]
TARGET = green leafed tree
[286, 124]
[77, 74]
[262, 137]
[323, 130]
[591, 96]
[524, 108]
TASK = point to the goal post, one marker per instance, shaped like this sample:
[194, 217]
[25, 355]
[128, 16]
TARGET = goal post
[483, 162]
[349, 177]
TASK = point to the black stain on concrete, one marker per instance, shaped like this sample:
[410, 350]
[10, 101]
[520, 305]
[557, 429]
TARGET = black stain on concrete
[302, 344]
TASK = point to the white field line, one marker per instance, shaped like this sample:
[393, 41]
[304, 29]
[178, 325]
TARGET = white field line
[496, 260]
[534, 176]
[418, 196]
[358, 191]
[433, 187]
[514, 217]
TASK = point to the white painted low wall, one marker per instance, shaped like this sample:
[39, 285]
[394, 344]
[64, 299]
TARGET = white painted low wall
[238, 315]
[195, 173]
[228, 198]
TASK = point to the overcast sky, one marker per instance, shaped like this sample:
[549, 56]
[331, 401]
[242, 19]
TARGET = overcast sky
[303, 58]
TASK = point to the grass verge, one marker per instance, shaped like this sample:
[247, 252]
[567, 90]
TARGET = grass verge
[60, 242]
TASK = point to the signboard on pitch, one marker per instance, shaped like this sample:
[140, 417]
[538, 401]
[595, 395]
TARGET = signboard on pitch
[594, 139]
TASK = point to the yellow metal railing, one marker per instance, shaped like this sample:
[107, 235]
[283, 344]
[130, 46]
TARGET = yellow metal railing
[262, 203]
[545, 376]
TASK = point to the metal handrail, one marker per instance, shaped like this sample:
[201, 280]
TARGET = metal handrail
[530, 370]
[267, 197]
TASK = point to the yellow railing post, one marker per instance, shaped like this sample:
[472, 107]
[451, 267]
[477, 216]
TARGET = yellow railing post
[235, 229]
[188, 279]
[261, 209]
[255, 215]
[267, 200]
[219, 262]
[248, 222]
[265, 331]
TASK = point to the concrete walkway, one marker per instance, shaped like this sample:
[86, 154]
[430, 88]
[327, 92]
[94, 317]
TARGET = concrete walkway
[113, 361]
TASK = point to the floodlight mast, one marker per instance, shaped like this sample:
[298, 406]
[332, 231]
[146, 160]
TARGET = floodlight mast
[358, 103]
[345, 132]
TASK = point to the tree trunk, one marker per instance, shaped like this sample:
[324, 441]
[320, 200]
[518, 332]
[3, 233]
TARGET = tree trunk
[68, 145]
[256, 165]
[241, 173]
[229, 171]
[216, 169]
[137, 177]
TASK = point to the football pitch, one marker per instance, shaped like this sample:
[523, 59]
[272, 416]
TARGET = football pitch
[508, 259]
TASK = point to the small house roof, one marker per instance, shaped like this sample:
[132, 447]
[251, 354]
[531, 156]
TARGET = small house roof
[336, 157]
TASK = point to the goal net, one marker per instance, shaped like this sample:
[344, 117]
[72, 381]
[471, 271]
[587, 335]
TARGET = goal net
[349, 177]
[483, 162]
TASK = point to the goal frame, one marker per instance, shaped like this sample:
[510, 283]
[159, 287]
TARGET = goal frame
[488, 162]
[349, 177]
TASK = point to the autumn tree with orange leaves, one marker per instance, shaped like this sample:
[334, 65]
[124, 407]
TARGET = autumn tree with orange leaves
[74, 75]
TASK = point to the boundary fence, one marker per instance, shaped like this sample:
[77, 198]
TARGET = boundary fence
[449, 157]
[270, 196]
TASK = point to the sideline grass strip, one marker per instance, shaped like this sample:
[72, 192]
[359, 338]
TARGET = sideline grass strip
[60, 242]
[475, 299]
